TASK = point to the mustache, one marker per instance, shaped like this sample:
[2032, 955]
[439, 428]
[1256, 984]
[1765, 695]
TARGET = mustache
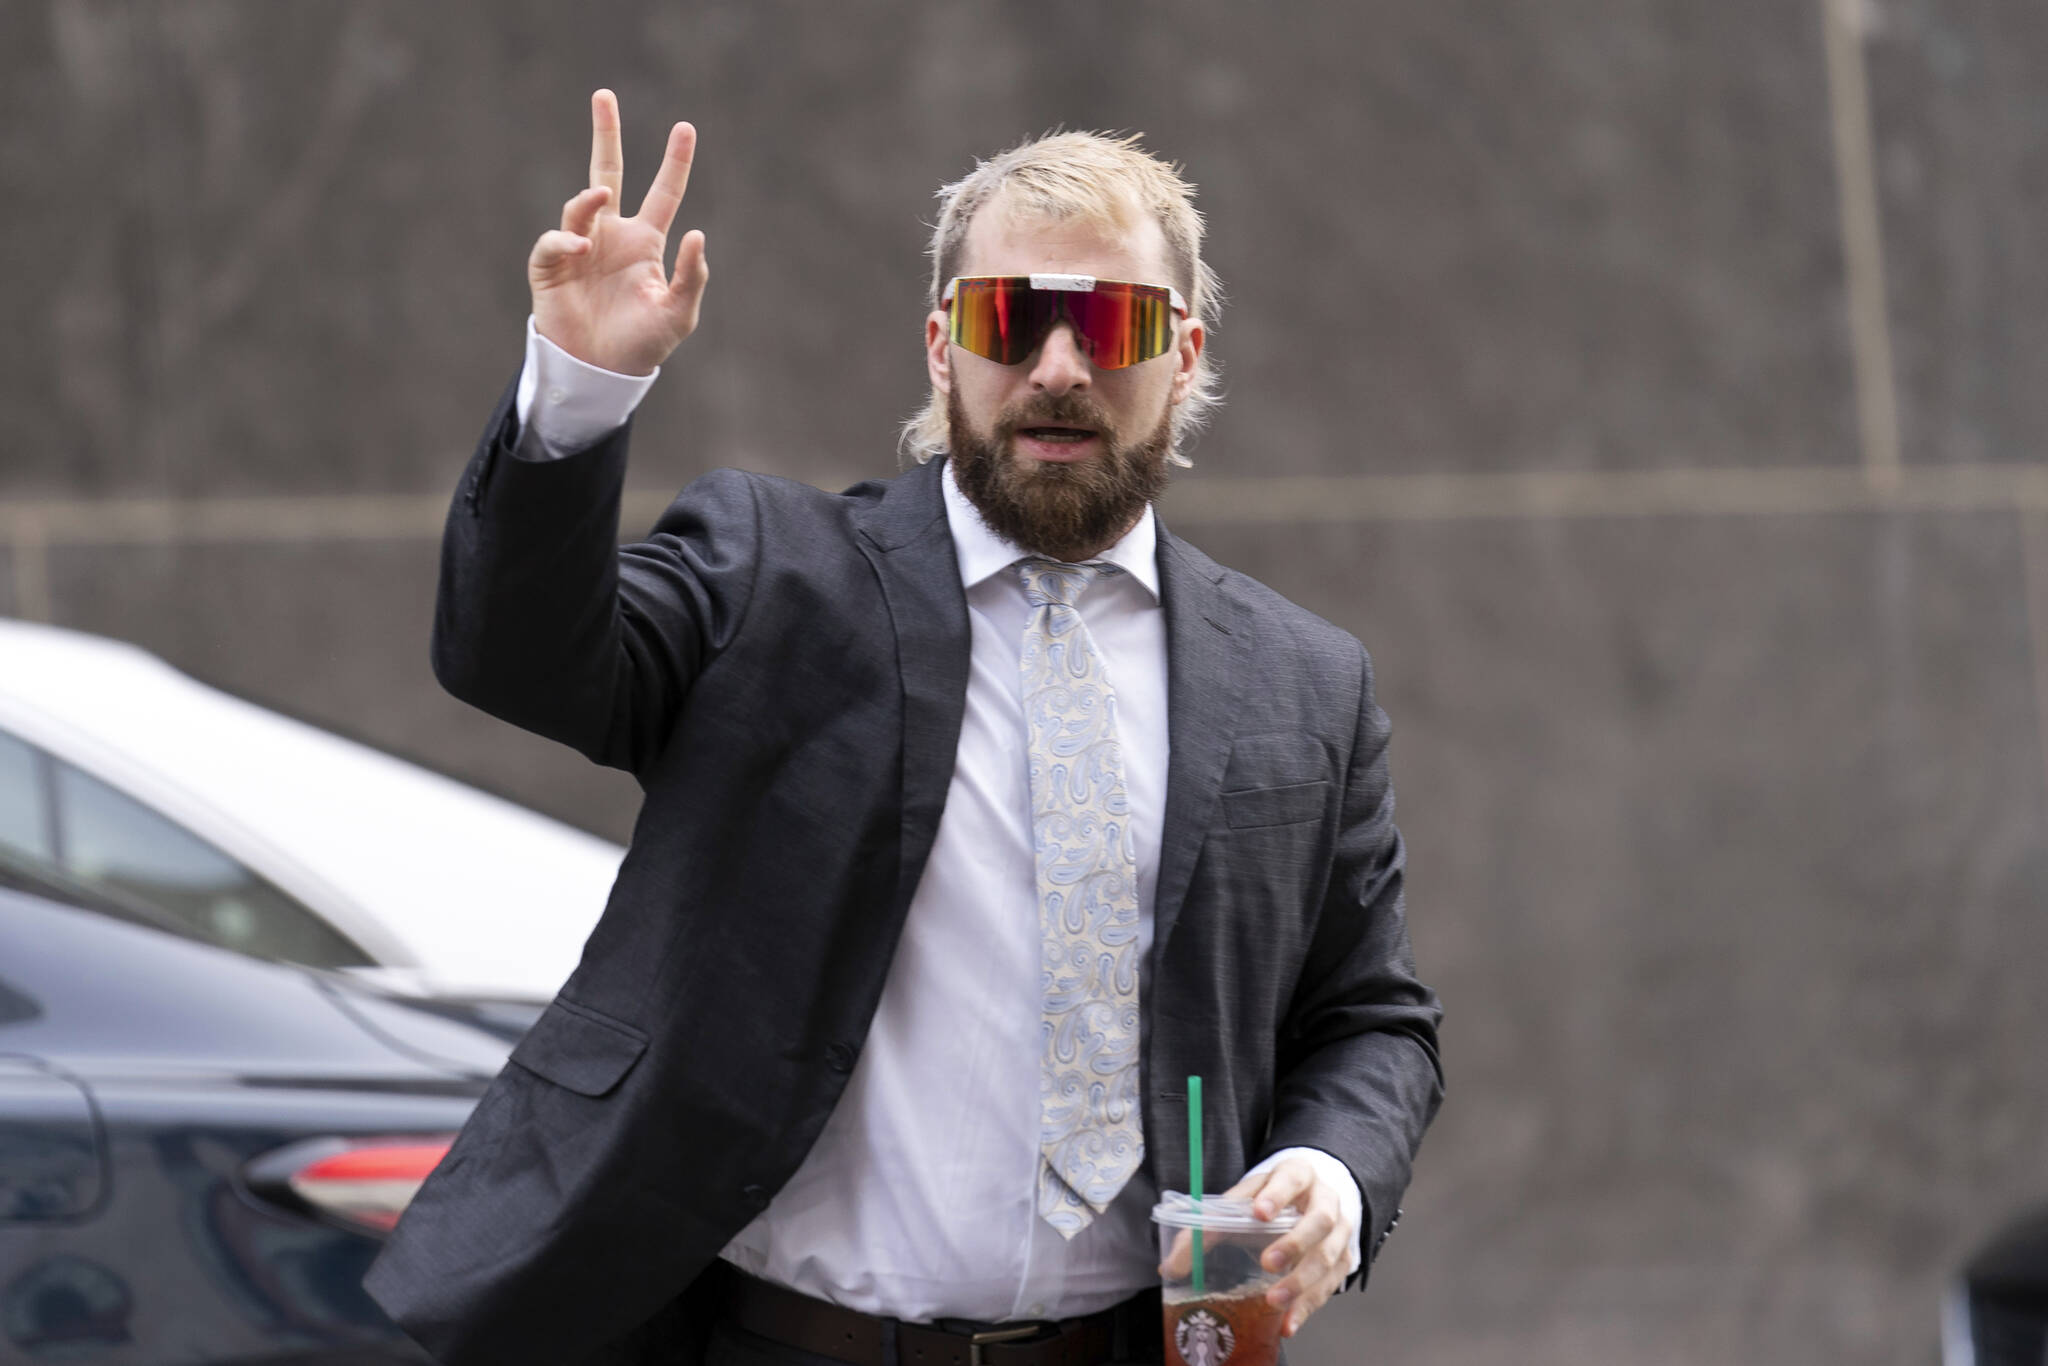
[1070, 409]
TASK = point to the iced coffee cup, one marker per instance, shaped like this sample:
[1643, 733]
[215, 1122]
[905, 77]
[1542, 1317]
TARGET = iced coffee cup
[1212, 1282]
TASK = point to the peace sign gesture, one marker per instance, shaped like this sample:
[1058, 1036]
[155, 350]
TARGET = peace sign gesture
[600, 291]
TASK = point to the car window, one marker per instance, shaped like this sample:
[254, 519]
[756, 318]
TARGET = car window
[108, 839]
[24, 801]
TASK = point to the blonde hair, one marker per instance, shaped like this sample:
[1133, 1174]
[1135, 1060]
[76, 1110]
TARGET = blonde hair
[1098, 178]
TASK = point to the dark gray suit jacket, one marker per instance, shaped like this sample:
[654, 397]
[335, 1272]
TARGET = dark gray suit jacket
[784, 671]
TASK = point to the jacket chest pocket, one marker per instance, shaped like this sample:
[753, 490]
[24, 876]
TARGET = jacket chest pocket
[1275, 780]
[1252, 808]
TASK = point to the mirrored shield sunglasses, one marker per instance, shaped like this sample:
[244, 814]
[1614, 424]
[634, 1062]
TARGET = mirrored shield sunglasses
[1116, 322]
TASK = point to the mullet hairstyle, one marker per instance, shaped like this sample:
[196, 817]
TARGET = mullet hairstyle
[1098, 178]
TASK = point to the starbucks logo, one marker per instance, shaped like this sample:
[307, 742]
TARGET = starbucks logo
[1203, 1339]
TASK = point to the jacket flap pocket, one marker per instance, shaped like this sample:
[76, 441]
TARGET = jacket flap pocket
[1275, 805]
[575, 1047]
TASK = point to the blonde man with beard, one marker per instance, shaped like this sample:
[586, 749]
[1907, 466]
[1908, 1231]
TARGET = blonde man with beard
[981, 811]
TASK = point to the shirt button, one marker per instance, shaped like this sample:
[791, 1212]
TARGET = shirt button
[557, 395]
[1036, 1311]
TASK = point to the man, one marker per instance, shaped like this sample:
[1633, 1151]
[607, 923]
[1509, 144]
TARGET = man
[980, 813]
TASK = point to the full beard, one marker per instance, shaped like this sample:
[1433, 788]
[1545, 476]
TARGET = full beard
[1066, 511]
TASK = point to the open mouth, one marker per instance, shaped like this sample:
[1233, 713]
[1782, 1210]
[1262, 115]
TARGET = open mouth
[1057, 436]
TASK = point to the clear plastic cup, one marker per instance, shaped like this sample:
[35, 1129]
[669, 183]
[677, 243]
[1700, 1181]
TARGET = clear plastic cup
[1222, 1320]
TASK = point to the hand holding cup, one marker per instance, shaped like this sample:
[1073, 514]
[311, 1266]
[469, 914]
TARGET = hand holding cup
[1312, 1254]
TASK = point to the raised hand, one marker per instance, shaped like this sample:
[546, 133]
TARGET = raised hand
[600, 290]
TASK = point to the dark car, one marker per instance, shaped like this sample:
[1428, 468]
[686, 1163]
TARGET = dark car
[200, 1153]
[1996, 1311]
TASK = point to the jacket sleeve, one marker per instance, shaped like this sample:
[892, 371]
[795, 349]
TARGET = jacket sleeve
[1358, 1074]
[544, 621]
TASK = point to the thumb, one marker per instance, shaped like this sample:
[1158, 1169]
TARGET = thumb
[554, 251]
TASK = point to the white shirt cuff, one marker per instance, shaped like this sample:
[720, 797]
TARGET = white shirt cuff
[1333, 1173]
[569, 403]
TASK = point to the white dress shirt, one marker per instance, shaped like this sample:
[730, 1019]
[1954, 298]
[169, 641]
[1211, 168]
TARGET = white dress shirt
[918, 1200]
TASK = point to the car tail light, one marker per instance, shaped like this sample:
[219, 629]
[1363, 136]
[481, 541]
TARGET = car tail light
[365, 1183]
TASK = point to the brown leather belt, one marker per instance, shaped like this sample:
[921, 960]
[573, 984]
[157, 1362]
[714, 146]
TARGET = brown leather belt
[827, 1330]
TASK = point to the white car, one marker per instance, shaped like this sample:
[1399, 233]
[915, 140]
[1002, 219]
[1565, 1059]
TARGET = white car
[260, 833]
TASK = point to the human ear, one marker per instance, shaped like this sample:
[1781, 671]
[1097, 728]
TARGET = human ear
[1185, 354]
[938, 352]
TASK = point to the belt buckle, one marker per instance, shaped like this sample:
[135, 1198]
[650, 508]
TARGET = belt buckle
[979, 1340]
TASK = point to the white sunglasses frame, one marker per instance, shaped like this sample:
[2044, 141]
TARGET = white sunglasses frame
[1078, 284]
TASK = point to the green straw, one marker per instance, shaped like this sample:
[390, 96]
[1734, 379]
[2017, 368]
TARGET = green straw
[1195, 1168]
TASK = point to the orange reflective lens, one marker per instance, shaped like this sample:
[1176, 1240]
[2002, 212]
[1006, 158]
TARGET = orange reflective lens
[1116, 323]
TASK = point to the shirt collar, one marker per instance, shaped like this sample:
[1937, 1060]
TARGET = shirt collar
[982, 553]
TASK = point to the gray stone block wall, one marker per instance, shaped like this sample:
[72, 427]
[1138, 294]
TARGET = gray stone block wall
[1961, 111]
[1719, 736]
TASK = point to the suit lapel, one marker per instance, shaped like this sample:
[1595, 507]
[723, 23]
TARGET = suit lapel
[1208, 659]
[1208, 651]
[905, 537]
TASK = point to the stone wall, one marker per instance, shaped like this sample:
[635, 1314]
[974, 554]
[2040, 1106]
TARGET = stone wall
[1660, 390]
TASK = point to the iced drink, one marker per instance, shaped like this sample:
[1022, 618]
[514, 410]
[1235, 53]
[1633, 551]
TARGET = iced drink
[1212, 1283]
[1240, 1329]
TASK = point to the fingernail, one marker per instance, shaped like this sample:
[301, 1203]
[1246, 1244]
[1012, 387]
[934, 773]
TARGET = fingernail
[1280, 1296]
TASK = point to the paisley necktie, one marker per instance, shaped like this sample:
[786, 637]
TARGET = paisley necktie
[1089, 1118]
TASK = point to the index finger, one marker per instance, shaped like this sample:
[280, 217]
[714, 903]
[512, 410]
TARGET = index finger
[607, 157]
[1275, 1190]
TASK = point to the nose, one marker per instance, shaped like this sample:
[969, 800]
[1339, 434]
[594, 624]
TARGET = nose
[1061, 364]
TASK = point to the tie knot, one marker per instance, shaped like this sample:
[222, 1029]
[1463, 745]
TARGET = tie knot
[1051, 583]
